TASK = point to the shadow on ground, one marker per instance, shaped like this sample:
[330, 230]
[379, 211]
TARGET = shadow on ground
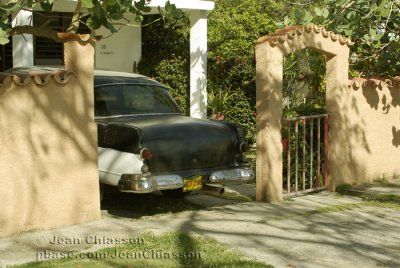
[319, 230]
[136, 206]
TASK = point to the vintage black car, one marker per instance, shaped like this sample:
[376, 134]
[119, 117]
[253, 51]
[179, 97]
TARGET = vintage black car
[147, 144]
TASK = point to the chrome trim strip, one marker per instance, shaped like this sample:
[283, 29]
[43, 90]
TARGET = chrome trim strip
[129, 115]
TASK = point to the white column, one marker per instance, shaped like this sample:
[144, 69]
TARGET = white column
[22, 44]
[198, 64]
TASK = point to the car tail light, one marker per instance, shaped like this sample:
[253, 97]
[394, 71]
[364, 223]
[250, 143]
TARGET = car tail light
[146, 153]
[244, 147]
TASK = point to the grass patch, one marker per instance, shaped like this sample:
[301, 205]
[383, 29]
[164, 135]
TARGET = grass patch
[386, 180]
[344, 188]
[168, 250]
[379, 204]
[382, 181]
[371, 198]
[383, 198]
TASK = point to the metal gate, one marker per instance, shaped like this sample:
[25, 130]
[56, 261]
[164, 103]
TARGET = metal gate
[305, 154]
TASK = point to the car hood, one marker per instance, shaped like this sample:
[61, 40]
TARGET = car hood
[178, 142]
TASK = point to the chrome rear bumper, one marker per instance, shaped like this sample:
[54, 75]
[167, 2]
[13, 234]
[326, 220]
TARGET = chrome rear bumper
[147, 183]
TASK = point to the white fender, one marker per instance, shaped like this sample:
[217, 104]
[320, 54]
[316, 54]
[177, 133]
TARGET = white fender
[113, 163]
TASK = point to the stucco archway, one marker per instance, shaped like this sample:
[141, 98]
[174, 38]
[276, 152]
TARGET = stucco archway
[270, 51]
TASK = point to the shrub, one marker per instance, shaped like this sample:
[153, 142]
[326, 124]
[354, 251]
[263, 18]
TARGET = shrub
[166, 57]
[174, 74]
[242, 112]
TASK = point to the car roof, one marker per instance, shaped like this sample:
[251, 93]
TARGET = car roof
[104, 77]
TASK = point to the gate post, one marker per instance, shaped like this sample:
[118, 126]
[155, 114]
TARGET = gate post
[269, 114]
[269, 55]
[341, 157]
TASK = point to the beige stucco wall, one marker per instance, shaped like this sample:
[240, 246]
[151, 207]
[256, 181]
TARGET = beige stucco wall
[374, 138]
[48, 159]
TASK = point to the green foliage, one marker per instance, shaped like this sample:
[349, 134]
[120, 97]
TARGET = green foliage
[304, 82]
[173, 73]
[218, 101]
[236, 73]
[234, 28]
[304, 94]
[97, 13]
[243, 113]
[166, 57]
[236, 25]
[171, 13]
[235, 107]
[164, 40]
[47, 5]
[372, 25]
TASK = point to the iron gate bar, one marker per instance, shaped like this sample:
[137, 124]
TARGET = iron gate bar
[306, 117]
[326, 148]
[288, 160]
[324, 165]
[296, 168]
[316, 189]
[304, 154]
[312, 150]
[319, 151]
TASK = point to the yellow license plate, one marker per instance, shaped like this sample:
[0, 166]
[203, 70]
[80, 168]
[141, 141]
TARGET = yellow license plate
[193, 184]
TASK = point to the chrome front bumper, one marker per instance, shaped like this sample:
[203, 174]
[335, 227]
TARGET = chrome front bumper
[147, 183]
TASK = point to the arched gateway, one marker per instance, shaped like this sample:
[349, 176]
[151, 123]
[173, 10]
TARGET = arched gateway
[270, 51]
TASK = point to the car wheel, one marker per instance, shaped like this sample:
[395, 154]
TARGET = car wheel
[175, 193]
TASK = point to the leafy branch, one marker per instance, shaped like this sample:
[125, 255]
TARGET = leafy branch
[98, 13]
[373, 25]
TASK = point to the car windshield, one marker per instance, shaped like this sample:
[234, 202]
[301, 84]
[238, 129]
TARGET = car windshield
[127, 99]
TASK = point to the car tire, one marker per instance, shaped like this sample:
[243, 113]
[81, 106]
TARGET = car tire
[175, 193]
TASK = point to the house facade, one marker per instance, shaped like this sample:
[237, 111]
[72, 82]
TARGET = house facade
[120, 51]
